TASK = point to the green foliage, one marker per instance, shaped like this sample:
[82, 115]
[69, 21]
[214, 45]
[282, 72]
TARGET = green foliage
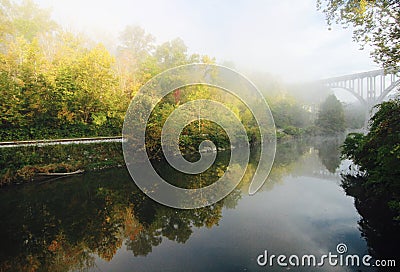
[354, 116]
[55, 84]
[197, 131]
[25, 19]
[378, 152]
[20, 164]
[51, 85]
[330, 118]
[294, 131]
[171, 54]
[287, 112]
[375, 23]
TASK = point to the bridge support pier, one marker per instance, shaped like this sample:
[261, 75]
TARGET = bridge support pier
[370, 88]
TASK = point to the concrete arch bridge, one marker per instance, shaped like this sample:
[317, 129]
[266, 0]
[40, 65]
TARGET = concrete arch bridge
[370, 88]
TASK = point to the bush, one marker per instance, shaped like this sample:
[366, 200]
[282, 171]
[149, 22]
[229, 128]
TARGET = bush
[378, 153]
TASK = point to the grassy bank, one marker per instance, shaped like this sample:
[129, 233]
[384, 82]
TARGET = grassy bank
[22, 164]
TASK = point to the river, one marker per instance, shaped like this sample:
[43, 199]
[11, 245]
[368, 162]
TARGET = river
[100, 221]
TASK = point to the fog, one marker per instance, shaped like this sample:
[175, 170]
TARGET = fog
[286, 39]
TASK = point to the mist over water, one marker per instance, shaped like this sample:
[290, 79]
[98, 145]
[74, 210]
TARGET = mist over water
[93, 69]
[301, 209]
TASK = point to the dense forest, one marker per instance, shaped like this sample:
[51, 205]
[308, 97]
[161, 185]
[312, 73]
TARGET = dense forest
[57, 84]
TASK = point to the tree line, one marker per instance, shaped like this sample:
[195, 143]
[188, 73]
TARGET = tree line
[56, 84]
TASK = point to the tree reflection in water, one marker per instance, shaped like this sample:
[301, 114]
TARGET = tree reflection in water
[329, 152]
[376, 224]
[64, 225]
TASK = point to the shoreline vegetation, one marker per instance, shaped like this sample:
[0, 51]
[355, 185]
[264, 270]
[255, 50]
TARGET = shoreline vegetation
[377, 154]
[23, 164]
[58, 84]
[27, 164]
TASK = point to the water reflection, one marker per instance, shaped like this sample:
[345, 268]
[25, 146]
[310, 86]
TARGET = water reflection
[376, 223]
[329, 152]
[101, 221]
[62, 225]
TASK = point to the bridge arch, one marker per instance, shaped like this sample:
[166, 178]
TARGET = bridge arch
[368, 87]
[357, 96]
[388, 90]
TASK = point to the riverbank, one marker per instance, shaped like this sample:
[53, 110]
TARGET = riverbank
[31, 161]
[87, 140]
[22, 164]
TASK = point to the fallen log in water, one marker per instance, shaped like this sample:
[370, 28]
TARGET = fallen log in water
[60, 174]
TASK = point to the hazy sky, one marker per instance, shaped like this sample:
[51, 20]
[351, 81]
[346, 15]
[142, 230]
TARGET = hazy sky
[287, 38]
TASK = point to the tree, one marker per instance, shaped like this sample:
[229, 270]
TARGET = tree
[376, 23]
[5, 23]
[289, 113]
[134, 59]
[10, 112]
[329, 153]
[354, 115]
[172, 53]
[88, 86]
[378, 154]
[330, 118]
[136, 42]
[24, 18]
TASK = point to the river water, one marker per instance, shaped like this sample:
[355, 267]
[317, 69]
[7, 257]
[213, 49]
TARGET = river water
[100, 221]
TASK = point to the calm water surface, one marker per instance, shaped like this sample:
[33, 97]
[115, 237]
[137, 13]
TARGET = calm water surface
[102, 222]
